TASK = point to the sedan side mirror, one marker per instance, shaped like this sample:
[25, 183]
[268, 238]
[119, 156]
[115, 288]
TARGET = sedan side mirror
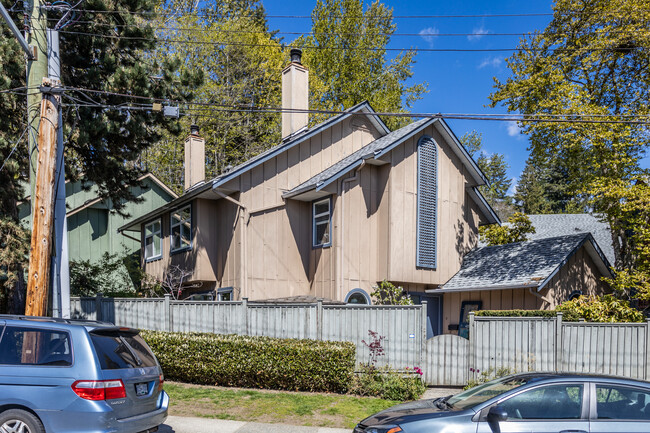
[494, 416]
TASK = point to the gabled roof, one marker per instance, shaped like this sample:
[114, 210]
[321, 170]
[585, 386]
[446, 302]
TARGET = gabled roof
[530, 264]
[376, 149]
[201, 189]
[547, 226]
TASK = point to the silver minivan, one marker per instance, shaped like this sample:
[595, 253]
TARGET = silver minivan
[59, 376]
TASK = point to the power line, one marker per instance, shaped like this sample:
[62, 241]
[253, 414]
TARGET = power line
[209, 14]
[247, 108]
[14, 148]
[317, 47]
[273, 33]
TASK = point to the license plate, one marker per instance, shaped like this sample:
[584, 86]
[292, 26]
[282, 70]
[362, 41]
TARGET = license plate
[141, 389]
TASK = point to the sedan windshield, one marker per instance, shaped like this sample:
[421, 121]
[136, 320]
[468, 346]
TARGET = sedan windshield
[481, 393]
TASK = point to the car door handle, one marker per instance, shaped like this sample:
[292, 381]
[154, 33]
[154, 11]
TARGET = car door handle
[573, 431]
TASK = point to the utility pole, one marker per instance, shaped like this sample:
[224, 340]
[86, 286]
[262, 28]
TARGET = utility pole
[43, 202]
[35, 33]
[60, 265]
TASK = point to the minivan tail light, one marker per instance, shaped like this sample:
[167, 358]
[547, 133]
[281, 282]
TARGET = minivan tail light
[99, 389]
[161, 379]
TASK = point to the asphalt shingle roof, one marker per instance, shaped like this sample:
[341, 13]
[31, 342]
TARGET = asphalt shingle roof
[371, 148]
[521, 264]
[548, 226]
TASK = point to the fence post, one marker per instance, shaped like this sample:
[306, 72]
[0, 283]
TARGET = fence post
[98, 307]
[424, 355]
[244, 321]
[472, 344]
[647, 349]
[558, 342]
[168, 314]
[319, 319]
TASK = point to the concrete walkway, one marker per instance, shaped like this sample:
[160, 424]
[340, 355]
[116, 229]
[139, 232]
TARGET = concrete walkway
[179, 424]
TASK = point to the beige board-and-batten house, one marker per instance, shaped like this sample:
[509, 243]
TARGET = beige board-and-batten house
[328, 213]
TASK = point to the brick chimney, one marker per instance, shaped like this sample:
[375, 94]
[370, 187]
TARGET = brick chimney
[295, 94]
[194, 158]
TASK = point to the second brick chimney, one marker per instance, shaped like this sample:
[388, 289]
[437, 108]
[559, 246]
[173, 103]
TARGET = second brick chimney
[295, 95]
[194, 158]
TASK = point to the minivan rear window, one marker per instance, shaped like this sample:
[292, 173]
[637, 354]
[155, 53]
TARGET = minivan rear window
[121, 349]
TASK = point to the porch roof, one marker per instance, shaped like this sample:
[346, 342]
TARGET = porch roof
[530, 264]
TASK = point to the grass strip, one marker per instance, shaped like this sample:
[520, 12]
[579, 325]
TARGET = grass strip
[296, 408]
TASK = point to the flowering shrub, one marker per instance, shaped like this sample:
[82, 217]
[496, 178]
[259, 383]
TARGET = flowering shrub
[385, 382]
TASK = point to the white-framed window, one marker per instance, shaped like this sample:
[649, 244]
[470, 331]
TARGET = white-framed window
[357, 297]
[153, 240]
[322, 223]
[181, 228]
[225, 294]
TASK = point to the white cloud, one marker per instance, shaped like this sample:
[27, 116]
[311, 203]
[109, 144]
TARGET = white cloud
[494, 62]
[513, 129]
[429, 34]
[477, 34]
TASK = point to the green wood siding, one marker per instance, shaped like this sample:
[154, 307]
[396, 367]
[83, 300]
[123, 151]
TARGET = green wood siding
[93, 231]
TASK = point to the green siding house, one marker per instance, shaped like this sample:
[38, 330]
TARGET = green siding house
[92, 227]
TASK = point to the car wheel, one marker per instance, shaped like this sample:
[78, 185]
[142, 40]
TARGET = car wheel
[20, 421]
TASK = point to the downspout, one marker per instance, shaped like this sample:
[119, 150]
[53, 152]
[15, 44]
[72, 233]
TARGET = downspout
[353, 178]
[243, 219]
[533, 291]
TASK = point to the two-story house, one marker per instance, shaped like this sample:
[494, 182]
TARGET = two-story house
[328, 213]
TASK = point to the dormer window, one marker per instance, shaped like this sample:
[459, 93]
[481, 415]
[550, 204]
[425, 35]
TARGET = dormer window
[181, 229]
[322, 219]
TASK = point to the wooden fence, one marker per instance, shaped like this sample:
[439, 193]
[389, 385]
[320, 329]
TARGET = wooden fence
[518, 344]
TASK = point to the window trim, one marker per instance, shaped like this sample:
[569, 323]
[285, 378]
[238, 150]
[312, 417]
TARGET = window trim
[419, 263]
[313, 222]
[173, 250]
[160, 252]
[224, 290]
[354, 292]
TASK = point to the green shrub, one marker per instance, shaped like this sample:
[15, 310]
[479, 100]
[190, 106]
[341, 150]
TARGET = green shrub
[387, 384]
[607, 308]
[567, 316]
[254, 362]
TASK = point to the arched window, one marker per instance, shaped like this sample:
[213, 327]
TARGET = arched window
[427, 220]
[357, 296]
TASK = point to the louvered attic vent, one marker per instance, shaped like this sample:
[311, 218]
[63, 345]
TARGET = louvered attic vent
[427, 203]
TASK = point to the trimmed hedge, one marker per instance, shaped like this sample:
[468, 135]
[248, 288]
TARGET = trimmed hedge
[567, 316]
[254, 362]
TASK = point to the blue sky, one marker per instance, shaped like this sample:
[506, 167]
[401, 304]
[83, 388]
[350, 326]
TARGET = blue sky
[458, 82]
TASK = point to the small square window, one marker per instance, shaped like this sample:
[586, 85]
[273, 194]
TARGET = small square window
[322, 227]
[181, 229]
[225, 294]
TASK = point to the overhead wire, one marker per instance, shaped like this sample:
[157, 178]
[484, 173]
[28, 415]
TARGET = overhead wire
[14, 148]
[344, 48]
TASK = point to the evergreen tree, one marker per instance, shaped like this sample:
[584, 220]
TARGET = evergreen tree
[104, 56]
[495, 168]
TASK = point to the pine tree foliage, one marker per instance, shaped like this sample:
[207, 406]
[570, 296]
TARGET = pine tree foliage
[495, 168]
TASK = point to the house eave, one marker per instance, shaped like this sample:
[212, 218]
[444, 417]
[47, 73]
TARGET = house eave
[483, 288]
